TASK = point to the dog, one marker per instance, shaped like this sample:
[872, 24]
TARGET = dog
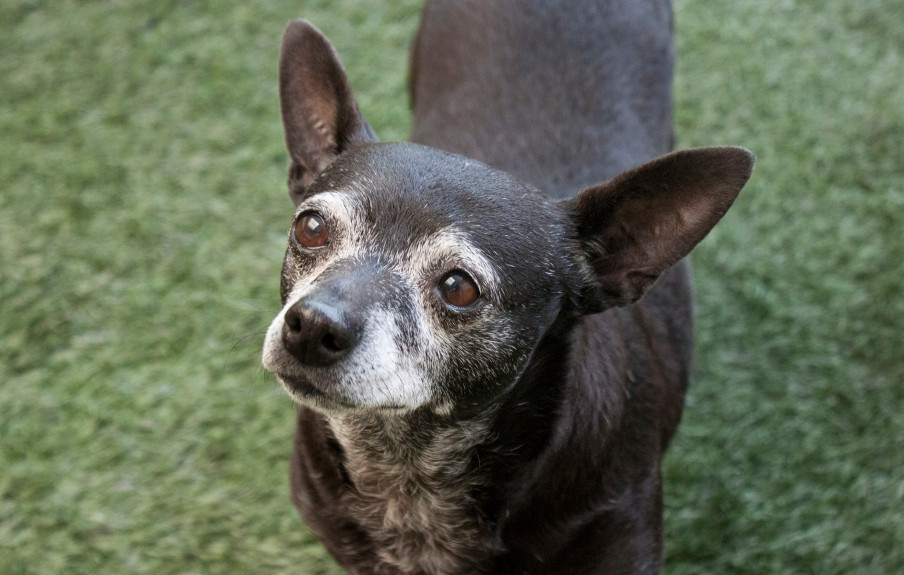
[488, 330]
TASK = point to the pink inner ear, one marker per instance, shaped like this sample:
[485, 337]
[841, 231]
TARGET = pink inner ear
[316, 128]
[324, 131]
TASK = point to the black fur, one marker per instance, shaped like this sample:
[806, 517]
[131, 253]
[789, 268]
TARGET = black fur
[523, 433]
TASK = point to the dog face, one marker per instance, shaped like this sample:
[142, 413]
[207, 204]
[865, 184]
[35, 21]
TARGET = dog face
[415, 278]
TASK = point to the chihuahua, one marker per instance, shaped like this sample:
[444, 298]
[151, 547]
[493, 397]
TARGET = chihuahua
[488, 331]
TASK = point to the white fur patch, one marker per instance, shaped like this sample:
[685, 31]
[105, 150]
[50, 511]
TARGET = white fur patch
[378, 373]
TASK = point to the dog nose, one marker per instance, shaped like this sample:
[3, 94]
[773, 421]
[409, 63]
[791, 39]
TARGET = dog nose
[317, 334]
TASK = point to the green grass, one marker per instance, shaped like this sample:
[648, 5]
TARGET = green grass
[142, 223]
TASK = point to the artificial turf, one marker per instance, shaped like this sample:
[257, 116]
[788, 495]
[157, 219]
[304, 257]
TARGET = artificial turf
[143, 215]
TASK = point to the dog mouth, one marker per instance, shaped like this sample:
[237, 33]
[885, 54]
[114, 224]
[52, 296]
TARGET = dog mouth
[304, 392]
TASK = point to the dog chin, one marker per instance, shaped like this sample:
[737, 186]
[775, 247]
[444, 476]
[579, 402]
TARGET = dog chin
[305, 393]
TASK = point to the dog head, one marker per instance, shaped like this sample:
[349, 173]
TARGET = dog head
[415, 278]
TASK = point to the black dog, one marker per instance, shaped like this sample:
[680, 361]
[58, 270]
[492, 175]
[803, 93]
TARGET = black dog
[481, 388]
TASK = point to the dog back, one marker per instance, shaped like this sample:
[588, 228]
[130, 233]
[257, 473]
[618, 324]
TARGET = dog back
[562, 94]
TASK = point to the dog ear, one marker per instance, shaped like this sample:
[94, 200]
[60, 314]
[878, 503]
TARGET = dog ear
[319, 112]
[638, 224]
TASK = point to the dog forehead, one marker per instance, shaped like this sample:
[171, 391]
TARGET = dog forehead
[420, 190]
[410, 176]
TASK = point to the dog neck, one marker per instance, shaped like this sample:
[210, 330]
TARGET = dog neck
[420, 444]
[414, 482]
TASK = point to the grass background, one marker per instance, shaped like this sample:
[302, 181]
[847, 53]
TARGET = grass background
[142, 222]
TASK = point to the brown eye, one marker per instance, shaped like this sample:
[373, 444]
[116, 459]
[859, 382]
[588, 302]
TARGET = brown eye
[458, 289]
[311, 231]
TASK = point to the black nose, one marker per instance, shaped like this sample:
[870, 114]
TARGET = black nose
[317, 334]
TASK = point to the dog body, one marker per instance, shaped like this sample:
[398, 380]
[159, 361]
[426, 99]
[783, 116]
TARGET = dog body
[480, 387]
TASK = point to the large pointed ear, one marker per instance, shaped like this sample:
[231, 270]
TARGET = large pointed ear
[638, 224]
[319, 112]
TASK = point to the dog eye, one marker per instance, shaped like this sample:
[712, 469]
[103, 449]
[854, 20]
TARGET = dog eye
[458, 289]
[311, 231]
